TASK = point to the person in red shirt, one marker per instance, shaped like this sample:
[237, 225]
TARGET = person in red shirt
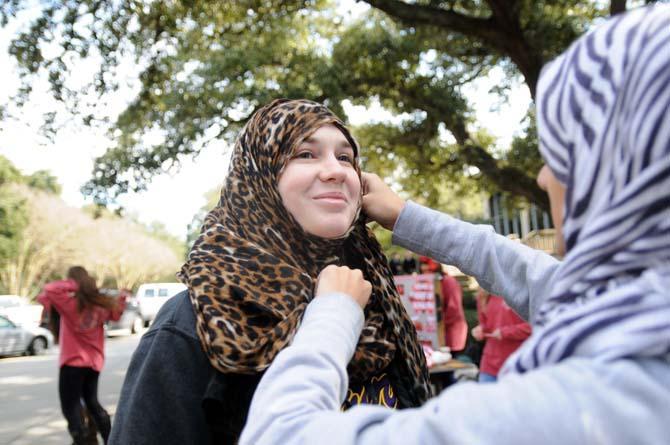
[502, 329]
[83, 313]
[453, 317]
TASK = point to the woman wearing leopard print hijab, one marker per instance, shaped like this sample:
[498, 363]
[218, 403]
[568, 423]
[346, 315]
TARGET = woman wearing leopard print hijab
[289, 207]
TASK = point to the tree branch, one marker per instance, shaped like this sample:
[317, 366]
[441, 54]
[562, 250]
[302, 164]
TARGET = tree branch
[509, 179]
[501, 32]
[413, 14]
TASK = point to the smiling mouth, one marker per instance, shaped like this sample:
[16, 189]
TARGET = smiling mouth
[331, 197]
[336, 203]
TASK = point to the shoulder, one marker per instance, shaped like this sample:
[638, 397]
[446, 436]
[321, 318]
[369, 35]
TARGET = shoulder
[172, 334]
[167, 378]
[61, 286]
[177, 315]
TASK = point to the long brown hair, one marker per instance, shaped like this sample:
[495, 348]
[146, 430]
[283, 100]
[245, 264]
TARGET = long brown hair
[88, 295]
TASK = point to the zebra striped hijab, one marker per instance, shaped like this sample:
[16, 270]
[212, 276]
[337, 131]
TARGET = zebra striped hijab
[603, 110]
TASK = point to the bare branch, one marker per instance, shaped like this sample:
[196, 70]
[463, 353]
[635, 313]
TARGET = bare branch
[484, 29]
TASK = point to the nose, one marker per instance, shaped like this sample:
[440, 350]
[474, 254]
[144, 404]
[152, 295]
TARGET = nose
[331, 169]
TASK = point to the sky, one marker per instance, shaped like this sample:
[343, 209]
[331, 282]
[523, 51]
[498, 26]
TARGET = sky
[173, 198]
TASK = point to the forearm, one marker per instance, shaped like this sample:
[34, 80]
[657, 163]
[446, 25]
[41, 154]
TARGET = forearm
[519, 331]
[43, 299]
[57, 294]
[115, 314]
[61, 286]
[520, 274]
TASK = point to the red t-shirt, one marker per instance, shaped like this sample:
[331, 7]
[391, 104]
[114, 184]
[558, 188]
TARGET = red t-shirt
[513, 330]
[455, 326]
[82, 334]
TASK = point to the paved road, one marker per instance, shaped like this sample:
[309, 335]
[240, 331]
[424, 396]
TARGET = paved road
[29, 406]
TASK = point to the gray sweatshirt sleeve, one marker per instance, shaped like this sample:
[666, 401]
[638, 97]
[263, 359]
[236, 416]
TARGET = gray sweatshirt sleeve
[298, 399]
[516, 272]
[578, 401]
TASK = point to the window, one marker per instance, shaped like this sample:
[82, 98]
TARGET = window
[163, 293]
[4, 323]
[149, 293]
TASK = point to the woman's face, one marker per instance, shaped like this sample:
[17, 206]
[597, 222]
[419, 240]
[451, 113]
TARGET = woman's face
[319, 185]
[556, 191]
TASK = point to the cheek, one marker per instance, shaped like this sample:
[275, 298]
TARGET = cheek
[353, 184]
[354, 187]
[289, 187]
[557, 201]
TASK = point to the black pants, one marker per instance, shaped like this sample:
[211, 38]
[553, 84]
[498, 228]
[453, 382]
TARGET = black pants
[77, 384]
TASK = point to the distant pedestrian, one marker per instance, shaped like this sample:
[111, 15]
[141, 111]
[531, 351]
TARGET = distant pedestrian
[503, 331]
[395, 263]
[453, 316]
[83, 313]
[409, 264]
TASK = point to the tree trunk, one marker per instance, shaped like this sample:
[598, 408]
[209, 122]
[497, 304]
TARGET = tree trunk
[617, 6]
[508, 179]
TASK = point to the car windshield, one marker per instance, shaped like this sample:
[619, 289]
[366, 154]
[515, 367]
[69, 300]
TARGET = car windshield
[5, 323]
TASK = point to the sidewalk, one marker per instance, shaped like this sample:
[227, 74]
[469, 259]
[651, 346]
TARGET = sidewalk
[50, 429]
[30, 411]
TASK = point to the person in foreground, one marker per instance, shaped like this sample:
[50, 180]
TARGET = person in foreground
[83, 313]
[290, 207]
[596, 369]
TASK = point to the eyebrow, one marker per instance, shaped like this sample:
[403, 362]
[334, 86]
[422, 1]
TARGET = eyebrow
[311, 140]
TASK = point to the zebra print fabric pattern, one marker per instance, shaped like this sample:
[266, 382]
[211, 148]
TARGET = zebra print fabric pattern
[604, 130]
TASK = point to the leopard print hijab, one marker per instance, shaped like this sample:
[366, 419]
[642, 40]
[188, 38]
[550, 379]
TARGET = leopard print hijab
[252, 271]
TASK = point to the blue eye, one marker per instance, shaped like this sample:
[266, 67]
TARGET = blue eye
[345, 158]
[304, 155]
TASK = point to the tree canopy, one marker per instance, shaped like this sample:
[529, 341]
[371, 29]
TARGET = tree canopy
[41, 236]
[203, 67]
[14, 215]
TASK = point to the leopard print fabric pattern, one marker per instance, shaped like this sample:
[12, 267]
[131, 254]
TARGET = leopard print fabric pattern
[251, 272]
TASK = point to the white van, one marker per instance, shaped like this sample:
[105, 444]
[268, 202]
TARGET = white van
[151, 297]
[20, 311]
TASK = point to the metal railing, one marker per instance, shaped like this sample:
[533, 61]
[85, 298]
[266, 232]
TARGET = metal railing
[542, 240]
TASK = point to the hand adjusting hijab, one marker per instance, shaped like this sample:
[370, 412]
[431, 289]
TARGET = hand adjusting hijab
[252, 271]
[604, 129]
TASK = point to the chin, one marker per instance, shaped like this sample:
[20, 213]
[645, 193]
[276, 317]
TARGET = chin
[560, 247]
[329, 231]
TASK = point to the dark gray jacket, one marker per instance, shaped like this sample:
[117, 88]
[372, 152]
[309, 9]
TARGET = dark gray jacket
[171, 393]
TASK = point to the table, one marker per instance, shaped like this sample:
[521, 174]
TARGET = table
[442, 375]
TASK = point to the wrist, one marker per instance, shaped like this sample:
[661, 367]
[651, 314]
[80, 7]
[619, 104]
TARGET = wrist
[337, 313]
[395, 214]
